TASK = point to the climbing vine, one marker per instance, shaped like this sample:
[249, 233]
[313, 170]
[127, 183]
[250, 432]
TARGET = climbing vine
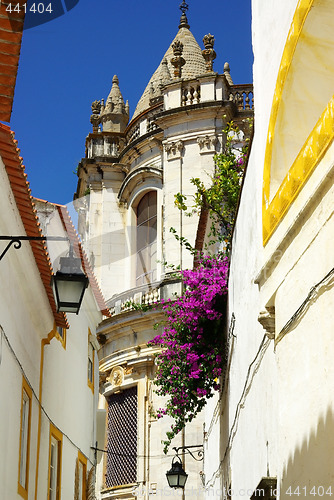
[221, 197]
[192, 348]
[191, 359]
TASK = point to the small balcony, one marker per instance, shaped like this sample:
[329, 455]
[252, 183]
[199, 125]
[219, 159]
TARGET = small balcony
[145, 295]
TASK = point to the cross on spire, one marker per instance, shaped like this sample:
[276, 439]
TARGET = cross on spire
[184, 21]
[184, 7]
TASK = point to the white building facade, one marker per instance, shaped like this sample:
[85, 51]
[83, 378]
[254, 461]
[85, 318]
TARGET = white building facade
[125, 199]
[274, 419]
[48, 390]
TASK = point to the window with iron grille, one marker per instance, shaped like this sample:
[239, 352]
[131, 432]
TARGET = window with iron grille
[122, 438]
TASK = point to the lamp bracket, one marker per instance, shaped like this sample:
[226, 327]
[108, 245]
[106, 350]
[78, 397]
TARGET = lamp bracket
[198, 450]
[17, 241]
[95, 448]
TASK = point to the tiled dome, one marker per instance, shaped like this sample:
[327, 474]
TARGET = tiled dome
[194, 67]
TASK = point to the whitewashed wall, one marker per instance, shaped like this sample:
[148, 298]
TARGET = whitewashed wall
[277, 409]
[27, 319]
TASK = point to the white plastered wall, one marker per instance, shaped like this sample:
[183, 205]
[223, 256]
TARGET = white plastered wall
[279, 422]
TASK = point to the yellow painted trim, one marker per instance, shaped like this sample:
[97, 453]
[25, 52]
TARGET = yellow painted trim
[273, 211]
[54, 432]
[62, 339]
[44, 342]
[89, 382]
[23, 491]
[83, 460]
[307, 159]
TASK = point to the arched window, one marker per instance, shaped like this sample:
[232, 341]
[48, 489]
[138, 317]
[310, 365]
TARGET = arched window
[147, 239]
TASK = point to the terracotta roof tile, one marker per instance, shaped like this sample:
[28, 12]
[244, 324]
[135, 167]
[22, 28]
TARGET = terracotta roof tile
[11, 28]
[21, 191]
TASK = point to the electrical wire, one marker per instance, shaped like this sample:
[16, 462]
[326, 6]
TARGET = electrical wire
[133, 455]
[247, 386]
[263, 347]
[302, 308]
[226, 369]
[3, 334]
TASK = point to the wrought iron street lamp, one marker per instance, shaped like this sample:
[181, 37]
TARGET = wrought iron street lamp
[177, 476]
[69, 283]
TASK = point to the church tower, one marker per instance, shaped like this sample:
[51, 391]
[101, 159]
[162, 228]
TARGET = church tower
[125, 200]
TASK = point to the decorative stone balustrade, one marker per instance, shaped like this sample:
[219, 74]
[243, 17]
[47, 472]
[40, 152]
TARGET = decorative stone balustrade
[145, 126]
[205, 89]
[103, 146]
[145, 295]
[242, 95]
[151, 125]
[139, 296]
[191, 94]
[134, 134]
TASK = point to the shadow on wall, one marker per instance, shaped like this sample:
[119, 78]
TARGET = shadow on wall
[310, 472]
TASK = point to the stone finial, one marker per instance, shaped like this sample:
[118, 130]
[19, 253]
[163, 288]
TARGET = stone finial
[165, 72]
[151, 90]
[227, 73]
[95, 117]
[109, 105]
[178, 60]
[177, 48]
[208, 53]
[96, 107]
[209, 41]
[115, 80]
[184, 21]
[119, 105]
[127, 108]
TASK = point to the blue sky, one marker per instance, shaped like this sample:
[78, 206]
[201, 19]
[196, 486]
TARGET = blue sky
[69, 62]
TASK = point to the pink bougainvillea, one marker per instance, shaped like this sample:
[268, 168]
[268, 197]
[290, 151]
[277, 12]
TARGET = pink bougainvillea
[190, 361]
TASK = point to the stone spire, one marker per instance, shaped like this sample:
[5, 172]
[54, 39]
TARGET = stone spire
[115, 114]
[165, 73]
[184, 21]
[194, 64]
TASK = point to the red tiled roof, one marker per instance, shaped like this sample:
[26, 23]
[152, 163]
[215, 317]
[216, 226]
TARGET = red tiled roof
[18, 180]
[78, 250]
[11, 28]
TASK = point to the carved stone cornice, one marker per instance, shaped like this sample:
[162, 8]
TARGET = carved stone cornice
[174, 150]
[207, 144]
[267, 320]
